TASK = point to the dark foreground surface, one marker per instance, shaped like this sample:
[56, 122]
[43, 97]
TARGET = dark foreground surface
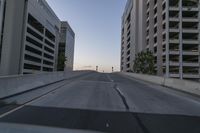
[101, 103]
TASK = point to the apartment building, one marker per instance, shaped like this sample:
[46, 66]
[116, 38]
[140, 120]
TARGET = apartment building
[173, 35]
[66, 45]
[133, 33]
[30, 37]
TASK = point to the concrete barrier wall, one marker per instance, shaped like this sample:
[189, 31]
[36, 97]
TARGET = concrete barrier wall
[149, 78]
[182, 85]
[12, 85]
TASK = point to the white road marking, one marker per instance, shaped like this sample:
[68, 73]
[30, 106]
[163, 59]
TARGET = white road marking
[109, 78]
[118, 89]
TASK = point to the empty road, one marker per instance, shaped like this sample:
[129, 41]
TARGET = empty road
[101, 102]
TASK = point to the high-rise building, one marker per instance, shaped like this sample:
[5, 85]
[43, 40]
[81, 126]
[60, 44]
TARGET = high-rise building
[66, 46]
[173, 34]
[30, 37]
[133, 33]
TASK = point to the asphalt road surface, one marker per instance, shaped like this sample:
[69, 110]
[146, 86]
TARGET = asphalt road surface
[99, 102]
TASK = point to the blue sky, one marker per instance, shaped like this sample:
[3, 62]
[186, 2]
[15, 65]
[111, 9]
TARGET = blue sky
[97, 25]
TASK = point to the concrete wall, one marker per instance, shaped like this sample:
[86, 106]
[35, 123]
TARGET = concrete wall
[12, 85]
[181, 85]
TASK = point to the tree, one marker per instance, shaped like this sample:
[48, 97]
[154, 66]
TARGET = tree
[144, 63]
[61, 62]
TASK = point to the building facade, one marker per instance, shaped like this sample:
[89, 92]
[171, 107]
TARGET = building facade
[127, 41]
[173, 35]
[133, 33]
[30, 37]
[66, 46]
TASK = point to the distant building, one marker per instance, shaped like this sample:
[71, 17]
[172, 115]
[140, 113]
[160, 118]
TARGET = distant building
[170, 30]
[30, 37]
[66, 46]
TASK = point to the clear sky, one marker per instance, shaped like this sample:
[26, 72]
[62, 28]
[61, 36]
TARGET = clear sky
[97, 25]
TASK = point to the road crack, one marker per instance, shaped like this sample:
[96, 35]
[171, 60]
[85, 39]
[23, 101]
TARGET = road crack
[135, 115]
[122, 97]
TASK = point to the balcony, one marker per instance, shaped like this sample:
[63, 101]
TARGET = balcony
[191, 76]
[190, 3]
[190, 41]
[190, 64]
[191, 53]
[190, 9]
[174, 30]
[174, 63]
[173, 3]
[190, 25]
[190, 31]
[174, 19]
[174, 40]
[174, 75]
[190, 36]
[174, 52]
[174, 8]
[189, 19]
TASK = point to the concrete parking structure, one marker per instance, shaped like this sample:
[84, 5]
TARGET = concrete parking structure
[171, 31]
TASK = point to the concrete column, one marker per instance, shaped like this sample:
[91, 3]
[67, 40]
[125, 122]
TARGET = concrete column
[151, 25]
[12, 38]
[180, 41]
[56, 50]
[42, 65]
[167, 38]
[160, 40]
[25, 20]
[199, 37]
[2, 4]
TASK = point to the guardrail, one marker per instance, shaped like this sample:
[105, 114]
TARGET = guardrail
[181, 85]
[12, 85]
